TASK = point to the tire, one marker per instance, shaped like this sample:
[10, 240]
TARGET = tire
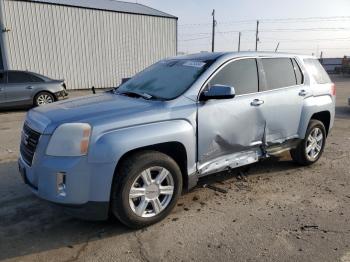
[43, 98]
[144, 209]
[302, 154]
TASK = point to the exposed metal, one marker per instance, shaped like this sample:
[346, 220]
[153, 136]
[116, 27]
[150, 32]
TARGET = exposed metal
[86, 47]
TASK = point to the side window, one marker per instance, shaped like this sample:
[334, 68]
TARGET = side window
[298, 73]
[317, 71]
[241, 74]
[279, 72]
[22, 77]
[3, 78]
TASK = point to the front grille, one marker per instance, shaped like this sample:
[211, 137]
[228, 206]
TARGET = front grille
[29, 142]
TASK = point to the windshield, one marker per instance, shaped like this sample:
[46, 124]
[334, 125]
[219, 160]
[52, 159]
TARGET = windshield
[166, 79]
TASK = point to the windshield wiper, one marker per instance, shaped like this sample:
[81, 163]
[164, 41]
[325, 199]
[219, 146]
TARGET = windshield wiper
[136, 94]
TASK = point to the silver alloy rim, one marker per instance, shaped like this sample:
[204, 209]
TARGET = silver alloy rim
[151, 192]
[44, 99]
[314, 144]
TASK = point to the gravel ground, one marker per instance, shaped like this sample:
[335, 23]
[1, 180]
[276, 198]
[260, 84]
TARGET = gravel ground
[277, 212]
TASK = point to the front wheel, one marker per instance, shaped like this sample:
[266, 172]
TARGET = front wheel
[311, 147]
[146, 188]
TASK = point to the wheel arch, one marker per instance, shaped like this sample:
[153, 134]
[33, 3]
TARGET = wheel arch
[324, 117]
[175, 150]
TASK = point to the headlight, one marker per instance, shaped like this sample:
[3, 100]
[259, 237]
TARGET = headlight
[70, 139]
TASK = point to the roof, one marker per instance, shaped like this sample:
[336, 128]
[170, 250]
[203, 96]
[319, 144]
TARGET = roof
[108, 5]
[215, 55]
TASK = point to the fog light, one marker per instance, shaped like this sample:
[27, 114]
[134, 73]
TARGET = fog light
[61, 184]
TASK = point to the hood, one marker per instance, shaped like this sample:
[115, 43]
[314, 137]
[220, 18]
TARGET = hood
[90, 109]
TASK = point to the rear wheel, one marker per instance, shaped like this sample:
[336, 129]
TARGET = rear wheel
[44, 98]
[145, 189]
[311, 147]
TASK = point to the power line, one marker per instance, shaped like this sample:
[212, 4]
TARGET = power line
[300, 19]
[315, 29]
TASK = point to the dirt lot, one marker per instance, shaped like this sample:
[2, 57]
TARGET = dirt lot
[278, 212]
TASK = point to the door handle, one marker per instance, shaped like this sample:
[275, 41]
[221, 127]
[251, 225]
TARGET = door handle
[302, 92]
[29, 87]
[257, 102]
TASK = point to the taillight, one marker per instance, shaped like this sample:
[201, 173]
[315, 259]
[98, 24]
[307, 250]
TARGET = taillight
[333, 89]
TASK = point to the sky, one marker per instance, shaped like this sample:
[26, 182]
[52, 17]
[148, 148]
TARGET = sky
[300, 26]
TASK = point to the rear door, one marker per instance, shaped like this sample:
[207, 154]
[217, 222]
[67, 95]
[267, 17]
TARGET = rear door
[283, 92]
[19, 89]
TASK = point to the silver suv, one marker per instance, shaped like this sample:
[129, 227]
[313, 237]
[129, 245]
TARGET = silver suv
[131, 151]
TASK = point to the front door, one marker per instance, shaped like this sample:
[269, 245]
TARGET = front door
[229, 130]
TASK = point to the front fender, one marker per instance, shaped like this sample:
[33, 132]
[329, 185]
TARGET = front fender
[110, 146]
[314, 105]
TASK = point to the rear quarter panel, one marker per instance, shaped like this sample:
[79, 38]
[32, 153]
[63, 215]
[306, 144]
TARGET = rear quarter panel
[320, 100]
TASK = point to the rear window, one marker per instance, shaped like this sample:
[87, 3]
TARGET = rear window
[279, 72]
[317, 71]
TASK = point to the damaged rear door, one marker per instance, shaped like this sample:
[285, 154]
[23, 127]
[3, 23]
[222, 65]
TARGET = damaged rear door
[230, 131]
[284, 94]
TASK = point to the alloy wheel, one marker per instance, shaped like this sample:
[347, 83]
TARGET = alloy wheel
[44, 99]
[151, 192]
[314, 144]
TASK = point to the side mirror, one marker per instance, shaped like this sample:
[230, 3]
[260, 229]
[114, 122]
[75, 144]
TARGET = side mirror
[218, 92]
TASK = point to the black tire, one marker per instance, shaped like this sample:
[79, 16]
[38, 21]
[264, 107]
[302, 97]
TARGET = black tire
[50, 98]
[299, 154]
[126, 174]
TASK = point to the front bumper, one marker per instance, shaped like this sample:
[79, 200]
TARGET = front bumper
[74, 202]
[87, 186]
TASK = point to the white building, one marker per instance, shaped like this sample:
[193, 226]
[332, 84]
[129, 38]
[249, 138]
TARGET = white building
[86, 42]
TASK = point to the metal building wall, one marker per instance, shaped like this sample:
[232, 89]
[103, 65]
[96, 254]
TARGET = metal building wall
[84, 46]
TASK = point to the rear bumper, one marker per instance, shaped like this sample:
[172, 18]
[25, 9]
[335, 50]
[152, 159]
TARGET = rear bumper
[61, 95]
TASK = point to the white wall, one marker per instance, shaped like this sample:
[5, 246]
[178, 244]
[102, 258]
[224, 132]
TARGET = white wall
[83, 46]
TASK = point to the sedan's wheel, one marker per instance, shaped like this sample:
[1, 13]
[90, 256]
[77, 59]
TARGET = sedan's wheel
[145, 188]
[44, 98]
[311, 148]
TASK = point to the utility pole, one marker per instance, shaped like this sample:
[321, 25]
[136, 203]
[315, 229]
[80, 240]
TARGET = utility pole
[213, 32]
[239, 42]
[278, 45]
[257, 36]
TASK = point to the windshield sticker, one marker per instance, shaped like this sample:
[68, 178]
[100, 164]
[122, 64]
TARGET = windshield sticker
[196, 64]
